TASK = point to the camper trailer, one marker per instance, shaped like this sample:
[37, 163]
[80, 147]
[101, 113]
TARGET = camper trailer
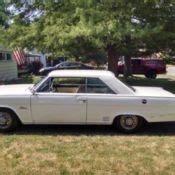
[8, 66]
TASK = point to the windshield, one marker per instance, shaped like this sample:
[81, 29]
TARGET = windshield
[39, 82]
[58, 65]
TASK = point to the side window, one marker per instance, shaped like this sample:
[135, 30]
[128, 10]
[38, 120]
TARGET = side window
[2, 56]
[68, 85]
[45, 87]
[61, 65]
[75, 65]
[66, 64]
[75, 85]
[9, 56]
[97, 86]
[136, 62]
[5, 56]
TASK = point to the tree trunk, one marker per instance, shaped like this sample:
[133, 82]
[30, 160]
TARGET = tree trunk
[127, 67]
[112, 59]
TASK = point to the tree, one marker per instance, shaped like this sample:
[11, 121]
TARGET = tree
[79, 27]
[3, 17]
[2, 13]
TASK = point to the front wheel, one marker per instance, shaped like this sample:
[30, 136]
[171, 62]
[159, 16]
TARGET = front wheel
[151, 74]
[8, 121]
[128, 123]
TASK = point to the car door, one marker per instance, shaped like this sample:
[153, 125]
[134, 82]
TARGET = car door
[137, 67]
[59, 101]
[101, 102]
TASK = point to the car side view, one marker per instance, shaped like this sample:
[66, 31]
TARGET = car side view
[88, 97]
[150, 67]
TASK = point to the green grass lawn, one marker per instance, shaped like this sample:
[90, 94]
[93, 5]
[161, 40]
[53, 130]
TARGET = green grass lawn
[90, 149]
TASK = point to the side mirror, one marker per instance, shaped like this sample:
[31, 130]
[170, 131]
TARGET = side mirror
[33, 91]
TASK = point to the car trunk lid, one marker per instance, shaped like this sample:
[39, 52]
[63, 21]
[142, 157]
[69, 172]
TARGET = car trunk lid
[152, 91]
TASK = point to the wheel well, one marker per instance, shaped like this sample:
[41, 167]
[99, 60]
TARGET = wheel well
[141, 117]
[149, 70]
[11, 111]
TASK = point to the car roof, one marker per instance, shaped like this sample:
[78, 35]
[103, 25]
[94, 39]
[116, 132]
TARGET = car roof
[81, 73]
[147, 58]
[157, 59]
[71, 62]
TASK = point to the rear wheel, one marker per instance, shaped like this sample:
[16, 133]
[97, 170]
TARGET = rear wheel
[151, 74]
[128, 123]
[8, 121]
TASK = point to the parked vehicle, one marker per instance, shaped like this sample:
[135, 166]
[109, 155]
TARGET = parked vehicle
[150, 67]
[64, 65]
[84, 97]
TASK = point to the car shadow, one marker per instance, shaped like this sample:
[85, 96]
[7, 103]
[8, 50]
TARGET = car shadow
[154, 129]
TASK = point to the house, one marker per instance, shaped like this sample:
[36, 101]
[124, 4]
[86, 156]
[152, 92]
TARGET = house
[27, 59]
[8, 66]
[36, 56]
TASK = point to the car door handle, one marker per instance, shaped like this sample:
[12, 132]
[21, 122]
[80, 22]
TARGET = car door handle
[82, 99]
[144, 101]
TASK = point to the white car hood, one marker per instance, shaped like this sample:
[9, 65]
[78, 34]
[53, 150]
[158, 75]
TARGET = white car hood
[152, 92]
[19, 89]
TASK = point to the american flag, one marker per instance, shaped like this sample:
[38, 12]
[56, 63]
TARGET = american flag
[19, 56]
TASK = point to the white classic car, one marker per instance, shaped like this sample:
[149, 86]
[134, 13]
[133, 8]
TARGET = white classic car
[87, 97]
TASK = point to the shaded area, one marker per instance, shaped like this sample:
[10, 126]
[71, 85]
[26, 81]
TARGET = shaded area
[152, 129]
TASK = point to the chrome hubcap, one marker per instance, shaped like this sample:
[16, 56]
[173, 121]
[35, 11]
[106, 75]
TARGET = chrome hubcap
[5, 120]
[129, 122]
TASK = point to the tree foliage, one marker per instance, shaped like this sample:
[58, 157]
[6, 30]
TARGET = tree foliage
[3, 18]
[80, 27]
[2, 13]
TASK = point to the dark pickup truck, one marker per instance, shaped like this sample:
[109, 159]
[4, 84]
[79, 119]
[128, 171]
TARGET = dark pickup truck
[150, 67]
